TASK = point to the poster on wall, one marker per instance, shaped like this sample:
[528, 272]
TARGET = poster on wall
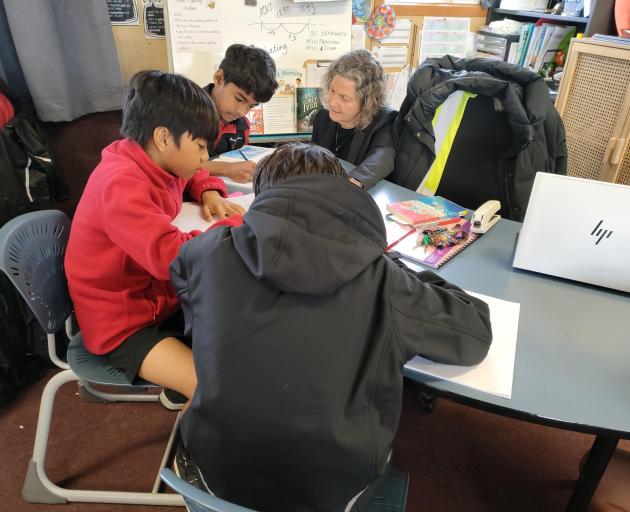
[443, 36]
[123, 12]
[292, 33]
[361, 10]
[153, 16]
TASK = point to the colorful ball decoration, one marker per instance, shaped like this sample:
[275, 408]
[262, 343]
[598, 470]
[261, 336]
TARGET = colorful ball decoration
[382, 22]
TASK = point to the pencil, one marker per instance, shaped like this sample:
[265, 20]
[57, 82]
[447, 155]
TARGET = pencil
[243, 155]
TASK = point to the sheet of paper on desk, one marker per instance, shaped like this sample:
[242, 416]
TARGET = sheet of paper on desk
[190, 217]
[495, 373]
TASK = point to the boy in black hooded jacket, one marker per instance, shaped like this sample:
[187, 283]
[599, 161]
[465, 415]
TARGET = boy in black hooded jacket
[301, 327]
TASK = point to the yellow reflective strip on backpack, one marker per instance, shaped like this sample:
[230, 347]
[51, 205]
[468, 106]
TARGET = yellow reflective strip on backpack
[432, 180]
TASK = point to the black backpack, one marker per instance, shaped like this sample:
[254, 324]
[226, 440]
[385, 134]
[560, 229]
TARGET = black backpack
[29, 179]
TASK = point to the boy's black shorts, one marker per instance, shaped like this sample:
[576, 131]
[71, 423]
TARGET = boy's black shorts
[128, 356]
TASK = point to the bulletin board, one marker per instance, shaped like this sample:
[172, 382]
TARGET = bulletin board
[199, 31]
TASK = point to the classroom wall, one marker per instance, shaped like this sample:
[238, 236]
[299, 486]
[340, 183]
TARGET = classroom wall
[136, 52]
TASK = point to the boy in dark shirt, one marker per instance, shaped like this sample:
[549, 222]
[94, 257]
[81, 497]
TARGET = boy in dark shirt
[245, 78]
[301, 328]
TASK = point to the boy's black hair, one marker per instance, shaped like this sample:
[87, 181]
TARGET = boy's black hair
[251, 69]
[295, 159]
[154, 99]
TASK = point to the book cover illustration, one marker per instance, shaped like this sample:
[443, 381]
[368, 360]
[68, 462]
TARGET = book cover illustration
[256, 123]
[308, 103]
[413, 248]
[426, 211]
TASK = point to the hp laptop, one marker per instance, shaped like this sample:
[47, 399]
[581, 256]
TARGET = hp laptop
[577, 229]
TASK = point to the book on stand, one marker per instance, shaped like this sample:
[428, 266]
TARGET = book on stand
[308, 102]
[255, 118]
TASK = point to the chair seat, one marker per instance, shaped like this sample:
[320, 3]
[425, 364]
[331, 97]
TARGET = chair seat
[96, 369]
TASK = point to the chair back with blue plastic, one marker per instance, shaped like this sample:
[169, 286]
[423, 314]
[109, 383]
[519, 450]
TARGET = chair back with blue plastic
[391, 497]
[32, 249]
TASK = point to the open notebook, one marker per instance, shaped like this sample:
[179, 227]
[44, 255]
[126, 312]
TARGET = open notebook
[408, 242]
[253, 153]
[190, 217]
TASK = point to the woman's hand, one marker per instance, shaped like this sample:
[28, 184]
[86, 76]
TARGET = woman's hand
[214, 204]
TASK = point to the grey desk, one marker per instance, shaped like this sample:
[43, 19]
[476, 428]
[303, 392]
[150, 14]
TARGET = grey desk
[572, 367]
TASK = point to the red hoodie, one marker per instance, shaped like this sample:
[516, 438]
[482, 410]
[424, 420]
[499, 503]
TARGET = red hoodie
[6, 110]
[122, 243]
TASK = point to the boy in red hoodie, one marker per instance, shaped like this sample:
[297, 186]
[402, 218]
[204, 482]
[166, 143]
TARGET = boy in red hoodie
[122, 240]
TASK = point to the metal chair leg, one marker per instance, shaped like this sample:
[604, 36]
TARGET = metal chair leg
[38, 488]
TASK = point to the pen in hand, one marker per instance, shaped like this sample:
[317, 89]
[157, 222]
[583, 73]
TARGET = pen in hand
[243, 155]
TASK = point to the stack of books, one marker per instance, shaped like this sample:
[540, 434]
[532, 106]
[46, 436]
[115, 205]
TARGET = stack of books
[541, 46]
[408, 221]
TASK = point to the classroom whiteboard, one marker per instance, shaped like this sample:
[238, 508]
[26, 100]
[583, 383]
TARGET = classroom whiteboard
[199, 31]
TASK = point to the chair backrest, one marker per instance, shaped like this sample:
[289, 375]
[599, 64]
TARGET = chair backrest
[197, 500]
[32, 249]
[471, 174]
[391, 496]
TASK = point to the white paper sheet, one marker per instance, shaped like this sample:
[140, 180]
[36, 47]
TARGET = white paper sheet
[495, 373]
[279, 114]
[391, 56]
[315, 72]
[401, 32]
[357, 37]
[443, 36]
[190, 218]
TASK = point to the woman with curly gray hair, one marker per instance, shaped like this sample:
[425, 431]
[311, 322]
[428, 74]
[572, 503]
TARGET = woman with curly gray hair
[356, 126]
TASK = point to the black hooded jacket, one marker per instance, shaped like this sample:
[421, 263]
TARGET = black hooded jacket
[537, 133]
[301, 327]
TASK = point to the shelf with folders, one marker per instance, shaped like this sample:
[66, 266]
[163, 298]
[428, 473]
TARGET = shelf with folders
[600, 19]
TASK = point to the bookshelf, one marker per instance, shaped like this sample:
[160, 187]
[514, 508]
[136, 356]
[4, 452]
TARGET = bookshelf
[601, 20]
[537, 15]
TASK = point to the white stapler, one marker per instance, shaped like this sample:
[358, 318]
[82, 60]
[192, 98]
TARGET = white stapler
[485, 216]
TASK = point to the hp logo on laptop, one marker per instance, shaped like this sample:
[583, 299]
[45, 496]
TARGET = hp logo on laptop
[601, 233]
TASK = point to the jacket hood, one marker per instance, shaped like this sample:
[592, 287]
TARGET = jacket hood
[310, 234]
[523, 93]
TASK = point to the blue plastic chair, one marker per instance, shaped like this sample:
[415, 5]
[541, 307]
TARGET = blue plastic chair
[32, 250]
[391, 497]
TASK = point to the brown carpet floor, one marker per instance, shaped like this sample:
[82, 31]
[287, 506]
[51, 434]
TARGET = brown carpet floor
[459, 458]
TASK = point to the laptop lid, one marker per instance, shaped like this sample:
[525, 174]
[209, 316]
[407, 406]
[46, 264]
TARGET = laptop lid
[577, 229]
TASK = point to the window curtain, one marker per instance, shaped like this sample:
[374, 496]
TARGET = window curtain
[67, 56]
